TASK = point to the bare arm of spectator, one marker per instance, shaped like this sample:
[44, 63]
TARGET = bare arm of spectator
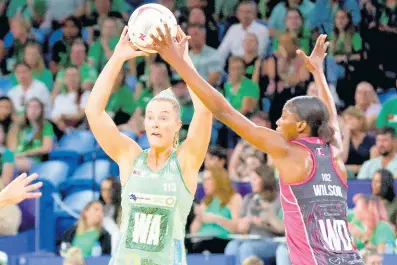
[346, 142]
[257, 73]
[44, 149]
[7, 173]
[235, 161]
[249, 105]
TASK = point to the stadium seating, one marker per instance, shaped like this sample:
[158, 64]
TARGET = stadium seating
[72, 147]
[54, 172]
[88, 176]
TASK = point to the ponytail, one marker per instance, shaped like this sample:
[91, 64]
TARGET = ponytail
[325, 132]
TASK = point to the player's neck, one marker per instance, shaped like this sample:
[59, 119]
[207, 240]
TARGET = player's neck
[160, 154]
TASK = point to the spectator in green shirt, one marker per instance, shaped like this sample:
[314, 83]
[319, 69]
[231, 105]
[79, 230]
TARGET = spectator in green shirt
[101, 50]
[88, 74]
[241, 92]
[388, 114]
[370, 226]
[32, 137]
[6, 160]
[34, 58]
[294, 24]
[346, 43]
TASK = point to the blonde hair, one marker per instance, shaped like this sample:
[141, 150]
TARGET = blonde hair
[358, 114]
[74, 256]
[82, 222]
[223, 187]
[253, 261]
[40, 66]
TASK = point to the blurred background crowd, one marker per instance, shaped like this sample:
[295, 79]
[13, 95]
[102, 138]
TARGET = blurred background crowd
[51, 52]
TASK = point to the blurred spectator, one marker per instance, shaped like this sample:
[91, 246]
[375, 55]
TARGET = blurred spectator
[20, 29]
[388, 114]
[357, 143]
[369, 225]
[224, 9]
[383, 187]
[71, 29]
[241, 92]
[385, 143]
[5, 27]
[197, 17]
[217, 215]
[7, 160]
[10, 218]
[216, 157]
[372, 257]
[96, 12]
[324, 11]
[88, 74]
[245, 158]
[111, 199]
[251, 57]
[295, 26]
[68, 109]
[287, 75]
[277, 18]
[27, 89]
[102, 49]
[89, 231]
[33, 57]
[58, 11]
[205, 59]
[31, 137]
[121, 104]
[258, 216]
[6, 113]
[253, 261]
[345, 47]
[232, 43]
[312, 90]
[74, 257]
[367, 101]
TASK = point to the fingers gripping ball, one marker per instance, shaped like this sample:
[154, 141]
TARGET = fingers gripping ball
[144, 21]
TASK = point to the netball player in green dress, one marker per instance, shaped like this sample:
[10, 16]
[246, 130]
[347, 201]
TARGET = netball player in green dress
[158, 184]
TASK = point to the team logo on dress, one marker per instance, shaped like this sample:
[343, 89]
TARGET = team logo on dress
[170, 201]
[136, 172]
[132, 196]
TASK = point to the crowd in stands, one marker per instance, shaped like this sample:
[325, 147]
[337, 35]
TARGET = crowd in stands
[51, 52]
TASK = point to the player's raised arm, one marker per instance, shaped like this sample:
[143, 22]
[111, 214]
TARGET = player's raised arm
[314, 64]
[194, 148]
[265, 139]
[114, 143]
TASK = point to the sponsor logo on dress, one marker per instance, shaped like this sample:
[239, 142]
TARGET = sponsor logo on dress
[151, 199]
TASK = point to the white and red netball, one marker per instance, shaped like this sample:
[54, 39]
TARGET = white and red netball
[144, 21]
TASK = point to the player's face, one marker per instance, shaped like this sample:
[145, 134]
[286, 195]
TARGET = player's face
[376, 184]
[287, 125]
[162, 123]
[374, 260]
[208, 183]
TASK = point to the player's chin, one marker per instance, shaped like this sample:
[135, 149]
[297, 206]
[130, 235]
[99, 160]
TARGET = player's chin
[156, 142]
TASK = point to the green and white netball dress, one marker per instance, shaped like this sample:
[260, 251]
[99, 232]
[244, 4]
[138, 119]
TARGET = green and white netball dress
[155, 207]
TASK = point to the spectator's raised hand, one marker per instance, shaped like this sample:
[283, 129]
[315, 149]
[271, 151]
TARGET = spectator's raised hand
[314, 62]
[125, 50]
[20, 189]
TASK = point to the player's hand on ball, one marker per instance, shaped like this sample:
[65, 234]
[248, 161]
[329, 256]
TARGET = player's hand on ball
[124, 48]
[171, 50]
[21, 188]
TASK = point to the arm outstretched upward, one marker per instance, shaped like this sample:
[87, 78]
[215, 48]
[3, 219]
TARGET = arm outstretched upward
[265, 139]
[113, 142]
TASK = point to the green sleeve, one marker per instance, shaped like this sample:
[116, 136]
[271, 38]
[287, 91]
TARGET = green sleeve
[93, 53]
[120, 6]
[13, 79]
[48, 131]
[383, 233]
[8, 157]
[89, 75]
[385, 111]
[251, 90]
[357, 42]
[47, 79]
